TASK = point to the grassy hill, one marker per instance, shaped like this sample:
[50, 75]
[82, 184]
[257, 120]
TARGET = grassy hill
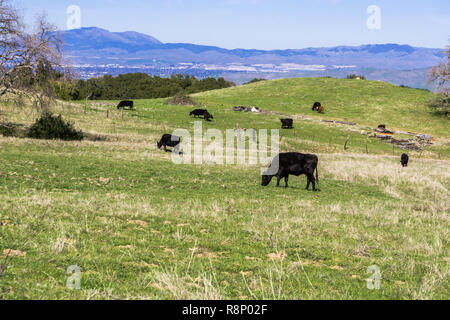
[141, 227]
[365, 102]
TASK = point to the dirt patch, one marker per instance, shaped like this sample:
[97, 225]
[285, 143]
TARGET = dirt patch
[203, 253]
[138, 222]
[417, 144]
[14, 253]
[340, 122]
[407, 144]
[125, 247]
[277, 256]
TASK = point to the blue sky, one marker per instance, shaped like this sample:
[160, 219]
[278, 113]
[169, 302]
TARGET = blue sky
[260, 24]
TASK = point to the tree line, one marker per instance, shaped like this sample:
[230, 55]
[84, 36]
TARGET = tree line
[135, 86]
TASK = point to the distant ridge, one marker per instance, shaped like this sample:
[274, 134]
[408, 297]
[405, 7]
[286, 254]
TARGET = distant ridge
[98, 39]
[95, 52]
[94, 41]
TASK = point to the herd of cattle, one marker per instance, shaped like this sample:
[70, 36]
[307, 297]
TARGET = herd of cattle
[283, 165]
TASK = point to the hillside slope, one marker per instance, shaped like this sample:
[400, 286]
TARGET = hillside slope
[364, 102]
[142, 227]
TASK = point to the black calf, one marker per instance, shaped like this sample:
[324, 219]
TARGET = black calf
[405, 160]
[287, 123]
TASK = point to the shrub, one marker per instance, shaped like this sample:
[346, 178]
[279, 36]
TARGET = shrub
[7, 130]
[51, 127]
[355, 76]
[255, 81]
[181, 99]
[440, 103]
[12, 130]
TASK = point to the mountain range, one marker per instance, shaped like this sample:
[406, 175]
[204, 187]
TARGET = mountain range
[91, 49]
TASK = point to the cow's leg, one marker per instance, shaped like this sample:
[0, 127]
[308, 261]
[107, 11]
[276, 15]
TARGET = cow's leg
[286, 179]
[165, 148]
[278, 181]
[308, 184]
[312, 180]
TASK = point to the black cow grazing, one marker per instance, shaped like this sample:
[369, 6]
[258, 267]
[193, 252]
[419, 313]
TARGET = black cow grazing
[169, 140]
[202, 113]
[287, 123]
[405, 160]
[125, 104]
[293, 163]
[316, 106]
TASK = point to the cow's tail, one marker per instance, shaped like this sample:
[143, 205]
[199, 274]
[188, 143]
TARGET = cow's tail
[317, 176]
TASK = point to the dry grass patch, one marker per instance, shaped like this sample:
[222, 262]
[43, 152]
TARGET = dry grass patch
[186, 288]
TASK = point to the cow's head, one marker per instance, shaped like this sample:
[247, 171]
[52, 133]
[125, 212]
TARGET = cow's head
[160, 143]
[266, 180]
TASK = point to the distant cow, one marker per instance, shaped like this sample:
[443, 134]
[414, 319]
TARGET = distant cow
[296, 164]
[125, 104]
[287, 123]
[202, 113]
[316, 106]
[321, 109]
[405, 160]
[169, 140]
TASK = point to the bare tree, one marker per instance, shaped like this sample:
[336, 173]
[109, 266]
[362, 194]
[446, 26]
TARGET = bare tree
[28, 60]
[441, 74]
[10, 30]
